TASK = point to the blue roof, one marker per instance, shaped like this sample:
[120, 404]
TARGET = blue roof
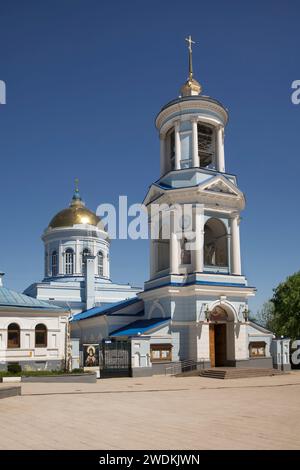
[139, 327]
[11, 298]
[107, 309]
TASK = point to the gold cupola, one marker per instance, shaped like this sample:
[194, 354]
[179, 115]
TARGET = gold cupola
[191, 87]
[75, 214]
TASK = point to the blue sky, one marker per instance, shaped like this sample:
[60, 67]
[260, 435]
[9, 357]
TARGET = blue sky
[85, 80]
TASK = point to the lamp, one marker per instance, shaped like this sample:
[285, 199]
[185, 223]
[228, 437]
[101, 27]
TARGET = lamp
[246, 314]
[207, 313]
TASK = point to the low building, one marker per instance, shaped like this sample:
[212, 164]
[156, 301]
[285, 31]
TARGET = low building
[33, 333]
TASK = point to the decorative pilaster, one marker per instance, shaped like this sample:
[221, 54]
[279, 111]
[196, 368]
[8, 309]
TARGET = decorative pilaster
[235, 246]
[177, 146]
[195, 154]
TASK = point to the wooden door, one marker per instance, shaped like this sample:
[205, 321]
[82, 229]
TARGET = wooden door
[212, 355]
[220, 345]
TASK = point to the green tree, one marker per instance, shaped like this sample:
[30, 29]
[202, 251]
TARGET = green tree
[286, 299]
[265, 316]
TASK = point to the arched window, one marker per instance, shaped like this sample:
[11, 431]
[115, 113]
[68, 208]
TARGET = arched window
[13, 336]
[85, 253]
[100, 263]
[54, 263]
[69, 261]
[171, 139]
[185, 252]
[206, 145]
[215, 243]
[40, 336]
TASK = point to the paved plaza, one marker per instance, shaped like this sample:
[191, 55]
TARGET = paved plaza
[155, 413]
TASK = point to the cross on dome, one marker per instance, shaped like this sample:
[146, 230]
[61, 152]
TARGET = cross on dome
[191, 86]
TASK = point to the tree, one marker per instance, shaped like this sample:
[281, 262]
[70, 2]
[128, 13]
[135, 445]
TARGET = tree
[265, 316]
[286, 300]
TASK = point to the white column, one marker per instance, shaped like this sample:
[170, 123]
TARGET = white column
[105, 264]
[162, 155]
[235, 246]
[61, 267]
[77, 258]
[153, 244]
[177, 146]
[195, 154]
[220, 150]
[174, 255]
[199, 242]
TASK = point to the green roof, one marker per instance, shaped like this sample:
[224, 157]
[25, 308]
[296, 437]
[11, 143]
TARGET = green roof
[11, 298]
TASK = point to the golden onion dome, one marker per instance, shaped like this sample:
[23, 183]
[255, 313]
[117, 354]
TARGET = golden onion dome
[75, 214]
[191, 87]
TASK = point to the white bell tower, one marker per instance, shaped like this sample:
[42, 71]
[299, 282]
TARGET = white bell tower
[197, 267]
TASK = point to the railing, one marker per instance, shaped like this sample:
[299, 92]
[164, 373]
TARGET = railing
[184, 366]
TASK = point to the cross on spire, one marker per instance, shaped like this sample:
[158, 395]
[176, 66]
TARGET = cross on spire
[190, 42]
[77, 185]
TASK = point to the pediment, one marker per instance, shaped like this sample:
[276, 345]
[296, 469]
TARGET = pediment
[154, 193]
[219, 184]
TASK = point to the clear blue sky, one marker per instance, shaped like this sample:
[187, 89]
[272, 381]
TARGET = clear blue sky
[85, 80]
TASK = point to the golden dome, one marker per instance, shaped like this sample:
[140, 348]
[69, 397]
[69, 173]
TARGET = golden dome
[191, 87]
[77, 213]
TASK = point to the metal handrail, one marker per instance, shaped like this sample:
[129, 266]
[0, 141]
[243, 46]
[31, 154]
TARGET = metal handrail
[180, 366]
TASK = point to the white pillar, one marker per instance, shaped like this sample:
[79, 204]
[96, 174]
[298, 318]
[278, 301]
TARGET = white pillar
[77, 258]
[90, 282]
[162, 155]
[174, 255]
[195, 154]
[235, 246]
[177, 146]
[220, 150]
[61, 268]
[199, 242]
[105, 264]
[153, 245]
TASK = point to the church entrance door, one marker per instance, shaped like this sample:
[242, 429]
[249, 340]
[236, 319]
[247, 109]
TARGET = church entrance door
[217, 344]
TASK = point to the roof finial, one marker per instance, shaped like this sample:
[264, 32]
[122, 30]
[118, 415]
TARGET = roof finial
[191, 86]
[190, 41]
[76, 196]
[76, 185]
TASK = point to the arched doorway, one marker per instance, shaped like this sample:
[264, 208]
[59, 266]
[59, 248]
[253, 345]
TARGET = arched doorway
[218, 337]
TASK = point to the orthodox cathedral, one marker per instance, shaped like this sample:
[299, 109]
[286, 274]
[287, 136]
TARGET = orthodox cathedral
[194, 306]
[77, 274]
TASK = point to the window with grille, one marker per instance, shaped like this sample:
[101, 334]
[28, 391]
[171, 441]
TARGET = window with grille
[206, 145]
[69, 261]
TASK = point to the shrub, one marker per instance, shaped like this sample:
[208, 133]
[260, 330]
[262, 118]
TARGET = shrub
[14, 368]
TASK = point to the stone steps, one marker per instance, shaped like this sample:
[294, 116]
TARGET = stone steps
[236, 373]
